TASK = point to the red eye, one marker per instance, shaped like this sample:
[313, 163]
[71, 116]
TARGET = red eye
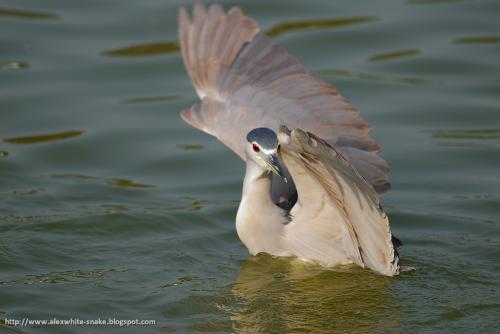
[256, 148]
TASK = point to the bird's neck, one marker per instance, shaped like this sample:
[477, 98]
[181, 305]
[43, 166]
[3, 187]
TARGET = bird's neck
[259, 221]
[257, 183]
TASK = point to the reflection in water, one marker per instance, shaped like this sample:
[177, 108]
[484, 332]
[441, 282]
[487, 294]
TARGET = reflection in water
[113, 181]
[13, 65]
[285, 27]
[28, 14]
[3, 153]
[282, 296]
[147, 99]
[394, 55]
[147, 49]
[477, 40]
[43, 138]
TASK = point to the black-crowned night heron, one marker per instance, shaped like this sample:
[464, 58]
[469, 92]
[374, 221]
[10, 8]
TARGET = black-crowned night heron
[311, 192]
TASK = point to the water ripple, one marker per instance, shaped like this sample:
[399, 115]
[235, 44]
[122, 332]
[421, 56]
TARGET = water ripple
[113, 181]
[147, 99]
[477, 40]
[370, 76]
[157, 48]
[14, 65]
[432, 2]
[68, 276]
[191, 147]
[179, 281]
[394, 55]
[28, 14]
[145, 49]
[483, 134]
[287, 27]
[33, 139]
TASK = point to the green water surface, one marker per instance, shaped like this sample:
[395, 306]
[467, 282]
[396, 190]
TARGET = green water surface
[112, 207]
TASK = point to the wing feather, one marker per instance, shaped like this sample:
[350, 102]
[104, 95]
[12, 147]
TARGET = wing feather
[246, 81]
[343, 204]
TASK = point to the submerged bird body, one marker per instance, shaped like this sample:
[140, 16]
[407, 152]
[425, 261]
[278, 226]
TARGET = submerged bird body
[311, 192]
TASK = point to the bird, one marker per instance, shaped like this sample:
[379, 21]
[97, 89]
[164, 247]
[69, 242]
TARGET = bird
[313, 174]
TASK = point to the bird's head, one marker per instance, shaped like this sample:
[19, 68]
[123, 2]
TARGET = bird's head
[262, 148]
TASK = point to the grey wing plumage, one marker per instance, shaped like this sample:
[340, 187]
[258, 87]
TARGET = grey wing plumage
[337, 211]
[245, 81]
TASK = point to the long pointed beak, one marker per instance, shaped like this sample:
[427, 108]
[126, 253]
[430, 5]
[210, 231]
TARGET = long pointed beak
[276, 165]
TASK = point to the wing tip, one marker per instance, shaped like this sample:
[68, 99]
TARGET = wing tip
[235, 10]
[199, 8]
[382, 187]
[192, 116]
[296, 137]
[310, 142]
[184, 19]
[284, 134]
[211, 39]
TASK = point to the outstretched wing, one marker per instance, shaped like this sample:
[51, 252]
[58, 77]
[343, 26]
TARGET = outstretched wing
[244, 81]
[337, 210]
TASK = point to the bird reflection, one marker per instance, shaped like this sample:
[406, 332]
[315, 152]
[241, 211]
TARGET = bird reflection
[283, 296]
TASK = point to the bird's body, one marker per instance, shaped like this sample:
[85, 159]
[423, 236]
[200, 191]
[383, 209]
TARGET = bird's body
[310, 194]
[272, 230]
[269, 222]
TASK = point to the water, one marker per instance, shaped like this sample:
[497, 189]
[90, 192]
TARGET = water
[111, 206]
